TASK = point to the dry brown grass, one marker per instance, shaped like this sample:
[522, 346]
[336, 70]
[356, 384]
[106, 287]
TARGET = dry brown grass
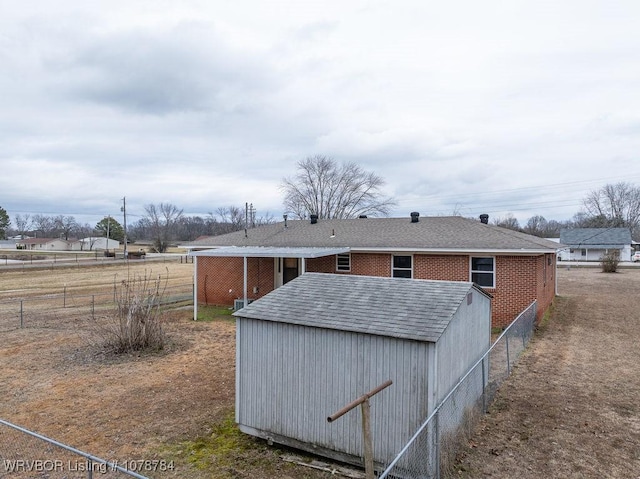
[171, 405]
[82, 279]
[570, 409]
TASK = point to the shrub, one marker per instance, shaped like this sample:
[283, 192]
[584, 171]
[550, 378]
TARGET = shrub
[136, 323]
[609, 261]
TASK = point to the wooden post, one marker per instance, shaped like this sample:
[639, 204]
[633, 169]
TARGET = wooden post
[368, 442]
[363, 401]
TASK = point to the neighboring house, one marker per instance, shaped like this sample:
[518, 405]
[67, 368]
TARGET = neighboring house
[514, 268]
[309, 348]
[590, 244]
[8, 244]
[94, 243]
[44, 244]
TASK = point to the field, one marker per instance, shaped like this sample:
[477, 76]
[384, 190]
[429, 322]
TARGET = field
[570, 408]
[175, 405]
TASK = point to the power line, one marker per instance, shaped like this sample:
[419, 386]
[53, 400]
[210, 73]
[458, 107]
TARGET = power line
[541, 188]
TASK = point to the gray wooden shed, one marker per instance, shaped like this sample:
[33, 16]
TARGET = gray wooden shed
[317, 343]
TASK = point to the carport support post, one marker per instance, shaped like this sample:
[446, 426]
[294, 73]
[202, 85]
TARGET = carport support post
[244, 283]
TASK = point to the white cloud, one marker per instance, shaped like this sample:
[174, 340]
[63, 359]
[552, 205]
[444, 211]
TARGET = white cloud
[458, 105]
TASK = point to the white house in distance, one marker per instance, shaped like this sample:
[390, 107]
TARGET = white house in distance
[44, 244]
[590, 244]
[94, 243]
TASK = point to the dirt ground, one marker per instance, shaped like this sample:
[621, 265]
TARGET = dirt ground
[571, 409]
[156, 407]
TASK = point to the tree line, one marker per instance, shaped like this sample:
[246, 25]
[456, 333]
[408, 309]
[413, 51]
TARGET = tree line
[163, 224]
[615, 205]
[323, 187]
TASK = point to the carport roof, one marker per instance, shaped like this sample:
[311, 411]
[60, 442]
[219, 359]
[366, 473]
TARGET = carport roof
[270, 252]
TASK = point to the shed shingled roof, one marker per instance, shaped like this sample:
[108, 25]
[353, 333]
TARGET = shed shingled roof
[402, 308]
[435, 233]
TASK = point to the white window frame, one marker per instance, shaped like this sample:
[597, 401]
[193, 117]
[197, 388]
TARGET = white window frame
[341, 268]
[492, 272]
[393, 268]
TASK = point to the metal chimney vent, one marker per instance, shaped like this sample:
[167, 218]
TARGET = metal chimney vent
[484, 218]
[414, 217]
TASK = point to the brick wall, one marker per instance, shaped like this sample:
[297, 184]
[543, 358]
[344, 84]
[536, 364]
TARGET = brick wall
[519, 279]
[220, 280]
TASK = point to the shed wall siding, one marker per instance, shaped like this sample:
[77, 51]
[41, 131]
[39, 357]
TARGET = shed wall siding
[291, 378]
[469, 327]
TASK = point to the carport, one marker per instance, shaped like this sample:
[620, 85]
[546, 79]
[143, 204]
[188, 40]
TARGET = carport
[244, 252]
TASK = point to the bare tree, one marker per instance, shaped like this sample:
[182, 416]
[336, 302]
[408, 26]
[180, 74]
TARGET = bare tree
[324, 188]
[509, 222]
[231, 218]
[536, 225]
[45, 225]
[191, 227]
[614, 205]
[23, 223]
[162, 221]
[553, 228]
[66, 225]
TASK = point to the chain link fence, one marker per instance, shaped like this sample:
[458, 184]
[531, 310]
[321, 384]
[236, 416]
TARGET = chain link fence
[26, 454]
[67, 310]
[431, 452]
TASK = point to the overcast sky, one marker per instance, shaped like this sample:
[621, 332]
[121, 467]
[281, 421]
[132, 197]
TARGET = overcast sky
[495, 107]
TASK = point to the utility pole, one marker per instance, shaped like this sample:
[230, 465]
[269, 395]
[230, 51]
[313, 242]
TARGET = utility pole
[108, 226]
[124, 211]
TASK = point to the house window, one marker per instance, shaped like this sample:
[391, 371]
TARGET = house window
[343, 262]
[483, 271]
[402, 267]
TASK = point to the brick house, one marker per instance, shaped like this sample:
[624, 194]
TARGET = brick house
[514, 268]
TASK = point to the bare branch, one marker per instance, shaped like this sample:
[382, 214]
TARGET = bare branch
[324, 188]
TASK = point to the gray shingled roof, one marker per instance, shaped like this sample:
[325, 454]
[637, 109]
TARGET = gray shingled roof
[430, 233]
[600, 238]
[402, 308]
